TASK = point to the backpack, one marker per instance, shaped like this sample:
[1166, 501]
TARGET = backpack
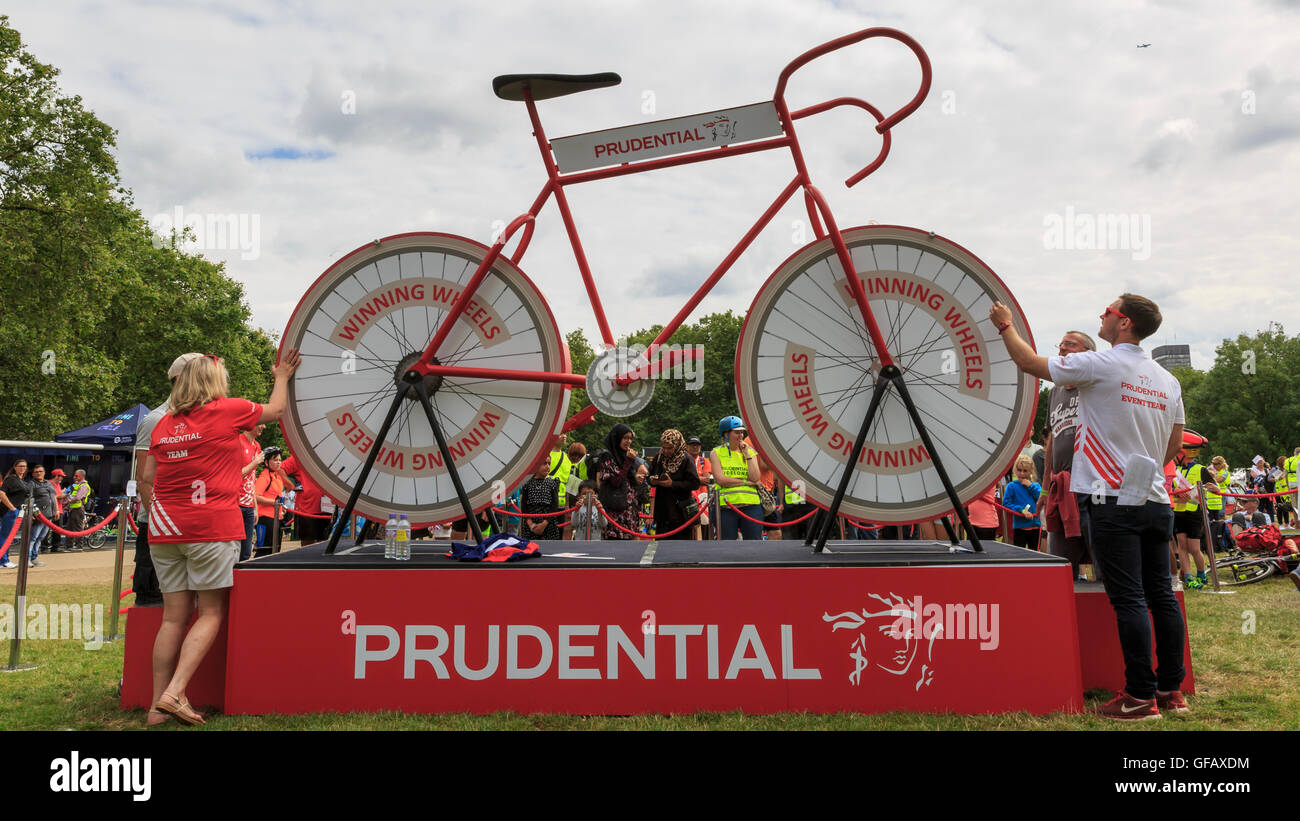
[1265, 538]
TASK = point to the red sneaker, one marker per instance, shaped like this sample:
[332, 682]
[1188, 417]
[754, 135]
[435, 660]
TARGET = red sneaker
[1172, 702]
[1124, 707]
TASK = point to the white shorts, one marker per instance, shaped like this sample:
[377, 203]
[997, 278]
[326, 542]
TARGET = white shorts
[194, 565]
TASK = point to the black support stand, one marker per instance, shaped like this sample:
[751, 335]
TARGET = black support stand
[892, 375]
[414, 382]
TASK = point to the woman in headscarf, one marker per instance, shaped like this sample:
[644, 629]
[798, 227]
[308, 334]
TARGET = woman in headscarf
[616, 482]
[673, 476]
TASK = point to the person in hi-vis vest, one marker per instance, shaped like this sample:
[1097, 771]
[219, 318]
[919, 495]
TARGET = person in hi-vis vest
[735, 470]
[1187, 509]
[1290, 466]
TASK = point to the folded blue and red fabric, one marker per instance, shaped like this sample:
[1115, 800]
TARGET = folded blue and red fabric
[499, 547]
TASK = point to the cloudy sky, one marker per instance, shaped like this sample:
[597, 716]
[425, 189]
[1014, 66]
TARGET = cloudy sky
[328, 124]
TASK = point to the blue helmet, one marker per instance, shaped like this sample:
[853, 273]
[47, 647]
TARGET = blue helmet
[728, 424]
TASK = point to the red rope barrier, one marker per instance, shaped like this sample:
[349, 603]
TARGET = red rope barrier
[802, 518]
[808, 515]
[861, 526]
[1018, 513]
[1231, 495]
[636, 535]
[308, 515]
[18, 523]
[58, 529]
[513, 513]
[736, 510]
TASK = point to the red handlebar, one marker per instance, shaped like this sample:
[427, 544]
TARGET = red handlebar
[883, 123]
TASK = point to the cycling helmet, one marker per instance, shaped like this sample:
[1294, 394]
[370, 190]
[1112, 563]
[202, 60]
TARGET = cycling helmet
[730, 423]
[1192, 439]
[272, 451]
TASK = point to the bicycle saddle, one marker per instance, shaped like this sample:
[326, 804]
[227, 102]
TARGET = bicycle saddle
[546, 86]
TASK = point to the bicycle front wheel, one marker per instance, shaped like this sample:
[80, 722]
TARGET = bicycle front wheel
[359, 328]
[806, 367]
[1243, 569]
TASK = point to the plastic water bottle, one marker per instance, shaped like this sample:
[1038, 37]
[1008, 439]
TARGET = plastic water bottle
[403, 539]
[390, 537]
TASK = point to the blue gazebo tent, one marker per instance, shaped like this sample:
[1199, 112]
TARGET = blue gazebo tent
[119, 430]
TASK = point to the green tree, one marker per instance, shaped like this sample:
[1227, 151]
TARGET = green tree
[93, 313]
[1247, 403]
[60, 197]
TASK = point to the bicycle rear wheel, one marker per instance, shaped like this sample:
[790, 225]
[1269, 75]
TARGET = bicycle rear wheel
[806, 367]
[365, 321]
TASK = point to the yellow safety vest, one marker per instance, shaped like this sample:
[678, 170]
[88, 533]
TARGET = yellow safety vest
[74, 490]
[734, 467]
[1290, 466]
[792, 498]
[1193, 475]
[561, 467]
[1214, 501]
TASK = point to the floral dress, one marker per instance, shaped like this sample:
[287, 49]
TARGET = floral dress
[614, 478]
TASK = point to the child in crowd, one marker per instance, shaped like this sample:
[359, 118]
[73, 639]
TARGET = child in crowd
[1022, 497]
[577, 529]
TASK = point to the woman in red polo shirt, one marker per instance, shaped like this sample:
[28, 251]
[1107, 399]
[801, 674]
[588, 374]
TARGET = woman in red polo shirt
[192, 480]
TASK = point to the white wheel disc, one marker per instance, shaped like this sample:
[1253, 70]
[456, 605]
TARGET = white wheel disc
[806, 368]
[608, 397]
[369, 317]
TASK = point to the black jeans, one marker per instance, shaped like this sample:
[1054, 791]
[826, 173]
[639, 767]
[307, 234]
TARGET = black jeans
[145, 582]
[1131, 546]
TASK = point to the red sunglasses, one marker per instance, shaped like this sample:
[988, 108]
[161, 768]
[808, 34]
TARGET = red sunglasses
[1109, 311]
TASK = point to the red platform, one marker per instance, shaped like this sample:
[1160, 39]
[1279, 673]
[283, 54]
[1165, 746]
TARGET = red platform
[207, 687]
[664, 634]
[1099, 651]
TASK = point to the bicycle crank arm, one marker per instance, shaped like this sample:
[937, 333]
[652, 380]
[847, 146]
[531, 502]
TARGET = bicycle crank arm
[666, 362]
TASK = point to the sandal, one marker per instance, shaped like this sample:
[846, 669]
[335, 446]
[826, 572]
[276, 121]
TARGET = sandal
[156, 718]
[179, 709]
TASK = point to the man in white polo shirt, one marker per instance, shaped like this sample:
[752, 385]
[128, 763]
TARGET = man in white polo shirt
[1130, 424]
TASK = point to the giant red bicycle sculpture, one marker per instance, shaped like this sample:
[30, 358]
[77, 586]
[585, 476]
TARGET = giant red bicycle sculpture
[891, 370]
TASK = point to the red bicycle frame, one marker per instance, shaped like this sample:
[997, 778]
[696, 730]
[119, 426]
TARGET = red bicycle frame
[819, 214]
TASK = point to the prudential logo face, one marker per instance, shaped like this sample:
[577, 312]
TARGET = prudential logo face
[899, 636]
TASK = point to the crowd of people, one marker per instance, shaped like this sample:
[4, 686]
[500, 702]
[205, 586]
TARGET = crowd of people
[66, 507]
[620, 494]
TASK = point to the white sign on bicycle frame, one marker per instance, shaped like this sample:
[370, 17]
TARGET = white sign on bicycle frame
[663, 138]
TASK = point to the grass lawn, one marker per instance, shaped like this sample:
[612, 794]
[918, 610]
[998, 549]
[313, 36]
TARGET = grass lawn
[1245, 651]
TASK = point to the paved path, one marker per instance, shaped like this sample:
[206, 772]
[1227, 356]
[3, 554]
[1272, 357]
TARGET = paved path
[87, 567]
